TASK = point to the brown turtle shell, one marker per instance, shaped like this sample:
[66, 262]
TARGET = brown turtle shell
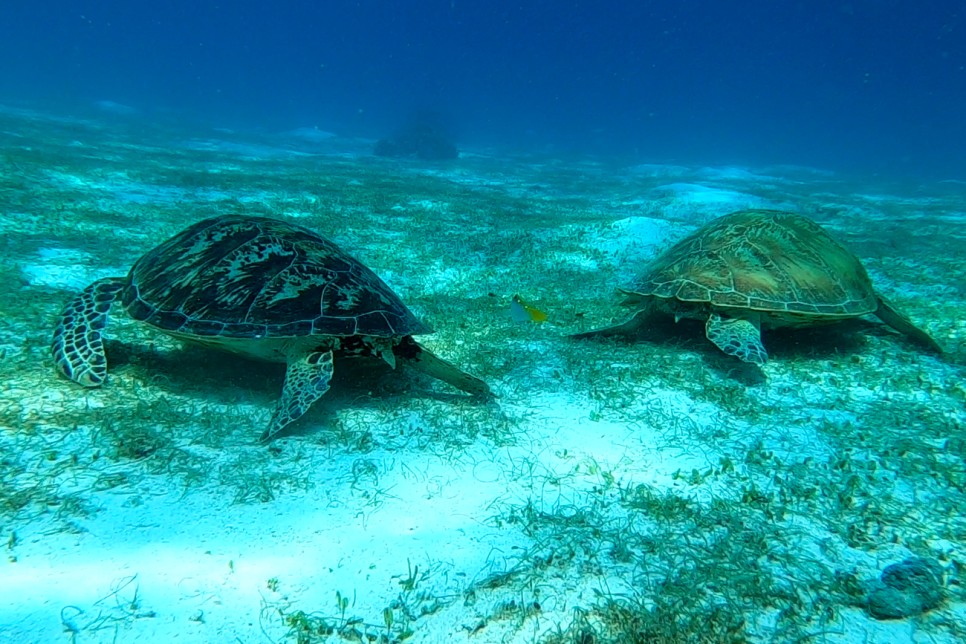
[762, 260]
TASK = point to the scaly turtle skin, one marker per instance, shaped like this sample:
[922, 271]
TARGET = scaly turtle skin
[262, 288]
[756, 269]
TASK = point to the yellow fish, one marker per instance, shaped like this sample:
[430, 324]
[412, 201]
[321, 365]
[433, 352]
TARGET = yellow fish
[520, 311]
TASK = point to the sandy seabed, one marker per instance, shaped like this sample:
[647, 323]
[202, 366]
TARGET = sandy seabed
[652, 491]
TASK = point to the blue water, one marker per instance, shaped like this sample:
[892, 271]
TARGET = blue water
[867, 86]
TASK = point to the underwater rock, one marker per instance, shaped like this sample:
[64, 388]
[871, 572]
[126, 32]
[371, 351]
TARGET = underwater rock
[425, 137]
[906, 589]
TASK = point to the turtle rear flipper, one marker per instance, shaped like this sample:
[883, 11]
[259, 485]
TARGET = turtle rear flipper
[306, 380]
[419, 357]
[888, 313]
[78, 344]
[737, 337]
[626, 330]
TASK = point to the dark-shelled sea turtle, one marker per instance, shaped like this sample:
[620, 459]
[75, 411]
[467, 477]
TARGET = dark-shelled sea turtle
[758, 269]
[262, 288]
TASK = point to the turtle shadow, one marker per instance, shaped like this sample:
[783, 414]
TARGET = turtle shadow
[836, 340]
[196, 370]
[787, 345]
[224, 378]
[816, 343]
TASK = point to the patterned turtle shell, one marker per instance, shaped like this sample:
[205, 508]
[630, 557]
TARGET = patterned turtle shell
[763, 260]
[252, 277]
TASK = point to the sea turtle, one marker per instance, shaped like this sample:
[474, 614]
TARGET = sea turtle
[756, 269]
[262, 288]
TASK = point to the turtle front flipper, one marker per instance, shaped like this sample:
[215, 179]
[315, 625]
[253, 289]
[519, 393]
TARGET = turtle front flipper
[78, 344]
[888, 313]
[419, 357]
[306, 379]
[739, 337]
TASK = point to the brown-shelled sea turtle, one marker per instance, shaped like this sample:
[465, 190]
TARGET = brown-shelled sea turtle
[262, 288]
[753, 270]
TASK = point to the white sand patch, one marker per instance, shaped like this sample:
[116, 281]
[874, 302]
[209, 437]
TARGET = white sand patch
[627, 244]
[733, 173]
[700, 195]
[142, 193]
[311, 134]
[695, 203]
[659, 170]
[445, 279]
[67, 269]
[632, 236]
[244, 150]
[426, 205]
[114, 108]
[152, 562]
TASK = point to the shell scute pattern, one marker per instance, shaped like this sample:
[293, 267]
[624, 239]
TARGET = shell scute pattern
[767, 261]
[253, 277]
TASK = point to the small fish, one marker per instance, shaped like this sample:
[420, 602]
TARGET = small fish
[520, 311]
